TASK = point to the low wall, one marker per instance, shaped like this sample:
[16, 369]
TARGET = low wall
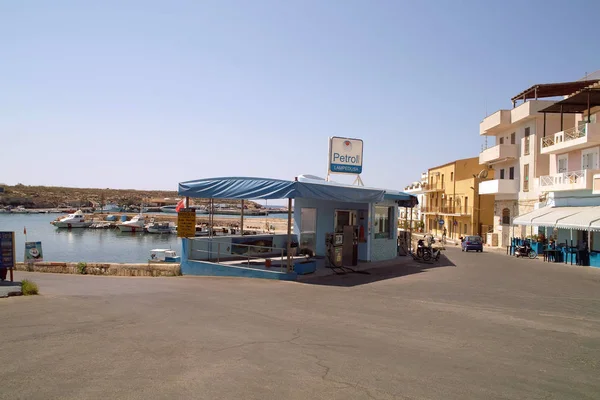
[113, 269]
[205, 268]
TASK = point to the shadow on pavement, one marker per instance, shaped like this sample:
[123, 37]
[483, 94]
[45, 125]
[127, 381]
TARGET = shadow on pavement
[366, 276]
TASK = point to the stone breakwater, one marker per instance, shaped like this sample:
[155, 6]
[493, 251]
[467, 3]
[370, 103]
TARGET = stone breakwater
[112, 269]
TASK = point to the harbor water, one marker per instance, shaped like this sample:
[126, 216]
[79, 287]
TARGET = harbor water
[88, 245]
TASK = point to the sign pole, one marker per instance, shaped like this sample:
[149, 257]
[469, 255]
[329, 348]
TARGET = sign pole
[12, 267]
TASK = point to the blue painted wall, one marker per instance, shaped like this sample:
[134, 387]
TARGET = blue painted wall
[205, 268]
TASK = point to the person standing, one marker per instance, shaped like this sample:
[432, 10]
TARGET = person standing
[444, 236]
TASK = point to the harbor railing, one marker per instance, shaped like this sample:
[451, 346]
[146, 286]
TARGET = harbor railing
[221, 255]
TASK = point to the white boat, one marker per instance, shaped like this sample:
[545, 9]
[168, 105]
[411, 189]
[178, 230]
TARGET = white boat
[75, 220]
[136, 224]
[20, 210]
[161, 227]
[111, 207]
[163, 255]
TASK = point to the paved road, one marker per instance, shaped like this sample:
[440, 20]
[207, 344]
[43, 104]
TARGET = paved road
[481, 326]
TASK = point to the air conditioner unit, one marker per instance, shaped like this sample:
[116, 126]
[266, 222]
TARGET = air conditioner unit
[443, 196]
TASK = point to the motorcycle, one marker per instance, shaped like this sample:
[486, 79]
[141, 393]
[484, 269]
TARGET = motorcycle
[426, 252]
[525, 250]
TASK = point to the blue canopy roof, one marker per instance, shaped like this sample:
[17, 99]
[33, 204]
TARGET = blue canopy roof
[263, 188]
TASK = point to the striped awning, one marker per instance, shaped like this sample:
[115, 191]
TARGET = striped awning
[580, 218]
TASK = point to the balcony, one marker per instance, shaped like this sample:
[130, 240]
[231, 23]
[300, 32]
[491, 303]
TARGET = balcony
[579, 137]
[414, 188]
[424, 177]
[446, 210]
[528, 109]
[498, 154]
[433, 187]
[574, 180]
[500, 186]
[495, 122]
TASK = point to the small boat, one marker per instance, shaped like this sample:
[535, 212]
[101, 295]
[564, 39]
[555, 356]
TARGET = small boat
[111, 207]
[75, 220]
[163, 255]
[20, 210]
[136, 224]
[161, 227]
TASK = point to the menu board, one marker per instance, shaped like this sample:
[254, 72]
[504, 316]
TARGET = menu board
[7, 249]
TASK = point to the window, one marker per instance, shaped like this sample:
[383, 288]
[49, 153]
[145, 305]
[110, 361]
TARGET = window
[466, 231]
[526, 142]
[502, 173]
[513, 138]
[383, 218]
[589, 158]
[308, 229]
[563, 162]
[501, 140]
[526, 178]
[451, 176]
[466, 206]
[511, 173]
[506, 216]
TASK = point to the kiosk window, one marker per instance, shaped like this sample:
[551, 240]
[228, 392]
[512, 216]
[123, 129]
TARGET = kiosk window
[383, 219]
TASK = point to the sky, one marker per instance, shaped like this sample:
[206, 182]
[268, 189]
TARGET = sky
[146, 94]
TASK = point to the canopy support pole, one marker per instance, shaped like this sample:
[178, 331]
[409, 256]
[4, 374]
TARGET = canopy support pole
[544, 124]
[242, 219]
[187, 202]
[561, 118]
[588, 107]
[289, 236]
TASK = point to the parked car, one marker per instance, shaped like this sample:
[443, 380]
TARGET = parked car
[472, 243]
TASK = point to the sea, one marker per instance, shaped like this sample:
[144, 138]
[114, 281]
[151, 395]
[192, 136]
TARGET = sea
[90, 245]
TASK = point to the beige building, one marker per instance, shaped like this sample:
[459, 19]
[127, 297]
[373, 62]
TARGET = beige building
[521, 155]
[452, 199]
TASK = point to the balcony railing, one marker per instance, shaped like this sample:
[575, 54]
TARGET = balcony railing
[573, 180]
[453, 210]
[433, 187]
[568, 134]
[562, 178]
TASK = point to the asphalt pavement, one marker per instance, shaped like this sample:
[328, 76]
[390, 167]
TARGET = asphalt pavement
[474, 326]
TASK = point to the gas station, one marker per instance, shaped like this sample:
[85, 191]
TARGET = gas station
[330, 225]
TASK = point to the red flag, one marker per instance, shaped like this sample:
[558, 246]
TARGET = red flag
[24, 231]
[180, 205]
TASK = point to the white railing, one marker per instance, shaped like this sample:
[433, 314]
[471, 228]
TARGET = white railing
[575, 132]
[562, 178]
[547, 141]
[568, 134]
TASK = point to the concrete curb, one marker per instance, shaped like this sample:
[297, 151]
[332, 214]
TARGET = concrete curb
[109, 269]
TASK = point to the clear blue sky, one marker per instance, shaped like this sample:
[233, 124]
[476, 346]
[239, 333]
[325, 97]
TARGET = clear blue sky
[145, 94]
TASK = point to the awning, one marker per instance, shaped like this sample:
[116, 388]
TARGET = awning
[577, 103]
[552, 218]
[544, 90]
[526, 219]
[241, 188]
[583, 220]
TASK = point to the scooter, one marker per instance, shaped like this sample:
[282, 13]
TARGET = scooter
[525, 250]
[426, 253]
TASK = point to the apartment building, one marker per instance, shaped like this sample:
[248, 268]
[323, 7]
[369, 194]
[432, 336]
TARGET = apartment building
[452, 199]
[414, 215]
[530, 153]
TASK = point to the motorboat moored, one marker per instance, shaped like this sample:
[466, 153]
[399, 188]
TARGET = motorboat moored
[75, 220]
[136, 224]
[161, 227]
[164, 255]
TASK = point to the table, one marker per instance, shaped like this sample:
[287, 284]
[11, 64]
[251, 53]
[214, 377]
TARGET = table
[553, 254]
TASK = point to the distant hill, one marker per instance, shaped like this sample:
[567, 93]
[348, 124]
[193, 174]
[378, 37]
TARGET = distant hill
[53, 197]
